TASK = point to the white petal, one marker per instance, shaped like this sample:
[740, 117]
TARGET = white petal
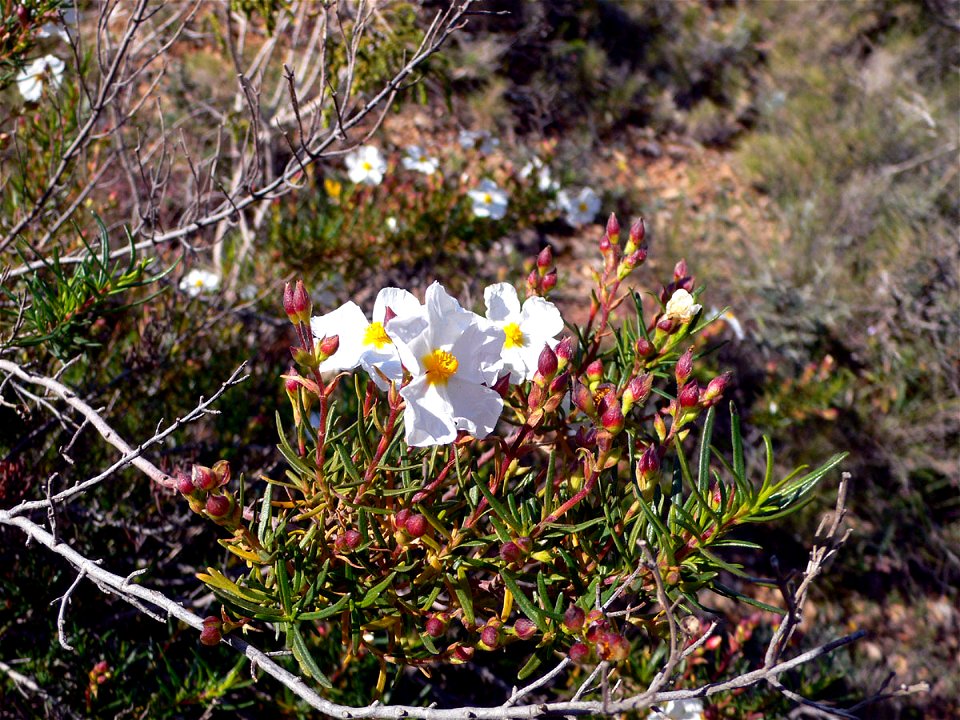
[477, 350]
[428, 417]
[475, 407]
[502, 302]
[401, 302]
[541, 318]
[349, 323]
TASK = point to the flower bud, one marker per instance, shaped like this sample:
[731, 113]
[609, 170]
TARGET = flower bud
[221, 472]
[502, 385]
[185, 483]
[595, 372]
[636, 391]
[348, 540]
[574, 618]
[644, 347]
[612, 419]
[690, 395]
[547, 363]
[684, 367]
[560, 382]
[680, 271]
[564, 350]
[579, 653]
[301, 302]
[290, 383]
[544, 260]
[490, 636]
[416, 526]
[649, 462]
[549, 281]
[327, 347]
[462, 654]
[400, 519]
[289, 307]
[533, 283]
[604, 245]
[219, 506]
[667, 324]
[715, 389]
[203, 478]
[524, 629]
[638, 232]
[510, 553]
[583, 399]
[613, 229]
[436, 626]
[596, 629]
[211, 635]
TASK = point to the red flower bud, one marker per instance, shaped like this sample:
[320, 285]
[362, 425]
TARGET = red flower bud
[613, 228]
[680, 271]
[649, 462]
[564, 350]
[416, 526]
[612, 419]
[290, 383]
[666, 324]
[636, 391]
[684, 367]
[644, 347]
[578, 653]
[511, 553]
[289, 307]
[211, 635]
[400, 519]
[524, 629]
[533, 283]
[502, 385]
[549, 281]
[462, 653]
[185, 483]
[490, 636]
[595, 371]
[23, 15]
[604, 245]
[560, 382]
[327, 347]
[583, 399]
[638, 232]
[436, 626]
[544, 260]
[547, 362]
[219, 506]
[349, 540]
[596, 629]
[715, 389]
[301, 302]
[203, 478]
[573, 618]
[689, 395]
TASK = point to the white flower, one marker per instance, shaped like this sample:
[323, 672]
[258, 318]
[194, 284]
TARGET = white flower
[545, 181]
[392, 225]
[363, 343]
[526, 329]
[581, 208]
[31, 79]
[681, 306]
[689, 709]
[468, 140]
[488, 200]
[451, 353]
[199, 281]
[417, 159]
[366, 165]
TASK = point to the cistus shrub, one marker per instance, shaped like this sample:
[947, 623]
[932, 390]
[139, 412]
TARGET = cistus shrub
[458, 483]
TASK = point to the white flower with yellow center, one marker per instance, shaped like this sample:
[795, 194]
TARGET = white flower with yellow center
[681, 306]
[489, 201]
[37, 73]
[453, 356]
[418, 160]
[366, 165]
[199, 282]
[363, 343]
[545, 181]
[581, 208]
[526, 328]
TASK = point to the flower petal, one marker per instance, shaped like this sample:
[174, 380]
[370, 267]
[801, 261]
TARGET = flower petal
[349, 323]
[502, 302]
[428, 417]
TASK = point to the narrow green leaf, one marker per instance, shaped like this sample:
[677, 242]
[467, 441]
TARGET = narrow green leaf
[532, 612]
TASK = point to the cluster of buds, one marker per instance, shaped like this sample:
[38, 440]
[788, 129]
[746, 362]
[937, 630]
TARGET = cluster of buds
[593, 629]
[619, 262]
[543, 278]
[648, 471]
[679, 308]
[410, 524]
[298, 307]
[204, 490]
[214, 628]
[604, 403]
[691, 398]
[551, 381]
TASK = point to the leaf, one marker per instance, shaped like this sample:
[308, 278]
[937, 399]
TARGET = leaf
[532, 612]
[328, 611]
[301, 652]
[370, 597]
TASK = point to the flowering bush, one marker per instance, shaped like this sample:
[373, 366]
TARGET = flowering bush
[542, 503]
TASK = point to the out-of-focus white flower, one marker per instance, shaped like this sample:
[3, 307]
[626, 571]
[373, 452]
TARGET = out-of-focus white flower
[488, 200]
[35, 73]
[392, 224]
[453, 355]
[59, 28]
[733, 323]
[681, 306]
[197, 282]
[418, 160]
[526, 329]
[689, 709]
[479, 139]
[366, 165]
[364, 343]
[545, 181]
[581, 208]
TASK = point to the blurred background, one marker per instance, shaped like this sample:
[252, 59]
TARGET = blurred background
[802, 157]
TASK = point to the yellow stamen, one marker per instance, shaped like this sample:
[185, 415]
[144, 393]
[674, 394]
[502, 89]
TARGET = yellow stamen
[440, 365]
[487, 198]
[376, 335]
[367, 166]
[514, 336]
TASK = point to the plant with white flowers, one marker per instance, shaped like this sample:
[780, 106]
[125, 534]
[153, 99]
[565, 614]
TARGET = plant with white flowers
[366, 165]
[200, 282]
[37, 74]
[417, 159]
[457, 484]
[489, 201]
[579, 208]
